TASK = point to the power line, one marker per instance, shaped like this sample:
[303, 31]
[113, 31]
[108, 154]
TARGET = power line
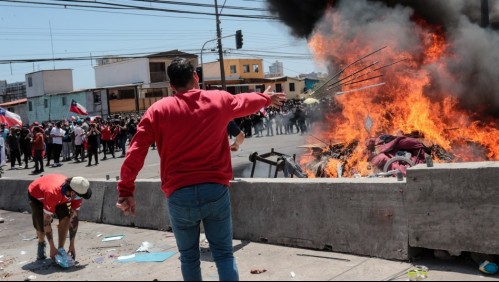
[113, 6]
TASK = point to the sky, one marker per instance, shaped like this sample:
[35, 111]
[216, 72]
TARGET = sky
[31, 31]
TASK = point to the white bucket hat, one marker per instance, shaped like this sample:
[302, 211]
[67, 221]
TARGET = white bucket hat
[81, 186]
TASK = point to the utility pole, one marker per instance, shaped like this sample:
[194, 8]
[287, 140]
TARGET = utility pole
[220, 50]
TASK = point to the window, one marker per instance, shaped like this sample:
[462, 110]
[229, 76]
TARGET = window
[292, 87]
[46, 103]
[30, 105]
[126, 94]
[278, 88]
[64, 101]
[151, 93]
[97, 98]
[246, 68]
[158, 72]
[256, 68]
[30, 81]
[233, 69]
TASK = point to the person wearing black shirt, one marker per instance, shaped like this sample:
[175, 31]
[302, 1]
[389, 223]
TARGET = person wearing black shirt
[93, 144]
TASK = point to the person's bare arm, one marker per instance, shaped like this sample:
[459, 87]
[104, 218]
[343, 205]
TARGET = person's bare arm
[238, 142]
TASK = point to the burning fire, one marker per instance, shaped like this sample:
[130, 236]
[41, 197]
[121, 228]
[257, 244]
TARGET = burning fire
[406, 103]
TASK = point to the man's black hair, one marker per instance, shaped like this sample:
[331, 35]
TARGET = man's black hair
[180, 72]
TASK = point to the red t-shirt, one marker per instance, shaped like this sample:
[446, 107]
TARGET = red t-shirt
[106, 133]
[48, 190]
[190, 130]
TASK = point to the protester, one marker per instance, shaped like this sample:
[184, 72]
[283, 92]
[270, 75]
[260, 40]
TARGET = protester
[107, 140]
[38, 148]
[57, 134]
[93, 144]
[14, 147]
[80, 137]
[57, 195]
[48, 144]
[196, 165]
[3, 158]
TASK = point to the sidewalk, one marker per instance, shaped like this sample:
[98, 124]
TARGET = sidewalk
[97, 259]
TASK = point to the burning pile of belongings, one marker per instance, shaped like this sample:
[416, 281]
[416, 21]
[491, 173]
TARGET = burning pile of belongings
[385, 153]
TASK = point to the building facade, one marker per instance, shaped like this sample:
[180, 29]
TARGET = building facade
[51, 92]
[276, 69]
[12, 91]
[55, 107]
[133, 85]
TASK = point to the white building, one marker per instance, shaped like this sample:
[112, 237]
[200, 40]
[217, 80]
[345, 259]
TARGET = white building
[45, 82]
[276, 69]
[135, 84]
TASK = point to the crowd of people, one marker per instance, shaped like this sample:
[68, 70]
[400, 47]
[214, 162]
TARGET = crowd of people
[294, 117]
[53, 143]
[82, 139]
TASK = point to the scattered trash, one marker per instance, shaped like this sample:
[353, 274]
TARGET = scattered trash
[293, 274]
[99, 260]
[2, 220]
[145, 247]
[63, 259]
[126, 257]
[418, 273]
[25, 212]
[113, 238]
[32, 277]
[23, 253]
[28, 238]
[99, 235]
[149, 257]
[1, 256]
[258, 271]
[488, 267]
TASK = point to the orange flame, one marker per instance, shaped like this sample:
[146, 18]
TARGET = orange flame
[406, 103]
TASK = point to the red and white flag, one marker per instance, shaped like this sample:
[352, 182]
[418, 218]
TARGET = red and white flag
[10, 118]
[77, 108]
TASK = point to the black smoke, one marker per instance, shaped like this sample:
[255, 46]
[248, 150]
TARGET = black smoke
[301, 16]
[476, 56]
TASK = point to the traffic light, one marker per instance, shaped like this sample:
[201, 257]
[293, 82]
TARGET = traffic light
[239, 39]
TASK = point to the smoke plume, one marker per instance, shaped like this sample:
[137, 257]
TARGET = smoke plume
[474, 64]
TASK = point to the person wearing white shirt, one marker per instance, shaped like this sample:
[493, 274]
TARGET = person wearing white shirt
[79, 134]
[57, 134]
[2, 152]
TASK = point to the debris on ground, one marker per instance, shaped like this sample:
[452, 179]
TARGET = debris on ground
[258, 271]
[113, 238]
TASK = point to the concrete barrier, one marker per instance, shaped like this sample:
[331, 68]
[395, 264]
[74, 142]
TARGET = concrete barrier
[451, 207]
[14, 195]
[364, 217]
[454, 207]
[151, 207]
[91, 210]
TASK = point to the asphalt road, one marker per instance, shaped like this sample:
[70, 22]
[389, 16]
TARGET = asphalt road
[286, 144]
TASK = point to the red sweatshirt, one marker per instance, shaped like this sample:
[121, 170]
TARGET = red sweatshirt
[190, 130]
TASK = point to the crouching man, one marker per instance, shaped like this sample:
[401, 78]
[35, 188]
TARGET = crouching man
[56, 195]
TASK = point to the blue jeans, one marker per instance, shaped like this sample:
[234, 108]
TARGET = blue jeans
[208, 203]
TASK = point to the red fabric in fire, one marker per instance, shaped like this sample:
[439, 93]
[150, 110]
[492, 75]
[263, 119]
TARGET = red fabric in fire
[390, 149]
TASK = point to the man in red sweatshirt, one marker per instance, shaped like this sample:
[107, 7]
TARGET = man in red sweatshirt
[190, 130]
